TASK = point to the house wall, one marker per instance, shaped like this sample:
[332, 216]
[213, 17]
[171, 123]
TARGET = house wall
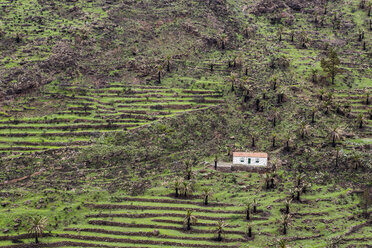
[262, 161]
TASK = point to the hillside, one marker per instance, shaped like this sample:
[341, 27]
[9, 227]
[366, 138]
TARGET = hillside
[107, 105]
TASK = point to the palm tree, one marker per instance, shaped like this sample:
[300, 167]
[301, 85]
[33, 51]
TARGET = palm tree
[367, 96]
[282, 243]
[37, 226]
[321, 94]
[285, 220]
[207, 192]
[186, 187]
[304, 130]
[287, 205]
[360, 120]
[189, 219]
[220, 229]
[335, 135]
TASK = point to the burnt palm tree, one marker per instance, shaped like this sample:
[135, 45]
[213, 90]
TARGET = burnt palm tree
[168, 63]
[220, 231]
[304, 130]
[360, 120]
[292, 35]
[37, 227]
[275, 115]
[280, 32]
[160, 69]
[249, 230]
[313, 111]
[287, 205]
[189, 219]
[223, 40]
[266, 178]
[254, 138]
[207, 192]
[337, 155]
[254, 204]
[274, 138]
[248, 210]
[335, 134]
[357, 162]
[177, 185]
[285, 221]
[215, 162]
[187, 188]
[288, 139]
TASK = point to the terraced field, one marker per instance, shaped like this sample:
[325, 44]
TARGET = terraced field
[158, 221]
[354, 103]
[78, 114]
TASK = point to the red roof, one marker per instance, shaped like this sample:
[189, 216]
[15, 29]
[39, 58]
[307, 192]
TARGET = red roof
[250, 154]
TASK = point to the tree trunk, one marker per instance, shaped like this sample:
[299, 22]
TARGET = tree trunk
[361, 124]
[334, 141]
[246, 71]
[168, 66]
[215, 164]
[255, 209]
[206, 200]
[185, 194]
[273, 141]
[159, 77]
[176, 192]
[257, 104]
[188, 223]
[272, 183]
[253, 142]
[313, 117]
[287, 209]
[36, 239]
[250, 232]
[212, 68]
[247, 217]
[287, 146]
[274, 122]
[219, 238]
[223, 45]
[298, 196]
[284, 229]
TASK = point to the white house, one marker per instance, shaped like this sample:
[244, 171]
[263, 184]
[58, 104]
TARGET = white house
[250, 158]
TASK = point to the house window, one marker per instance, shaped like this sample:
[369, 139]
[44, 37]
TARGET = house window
[257, 160]
[249, 160]
[242, 160]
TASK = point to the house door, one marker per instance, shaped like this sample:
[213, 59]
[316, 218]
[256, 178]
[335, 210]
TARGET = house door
[249, 161]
